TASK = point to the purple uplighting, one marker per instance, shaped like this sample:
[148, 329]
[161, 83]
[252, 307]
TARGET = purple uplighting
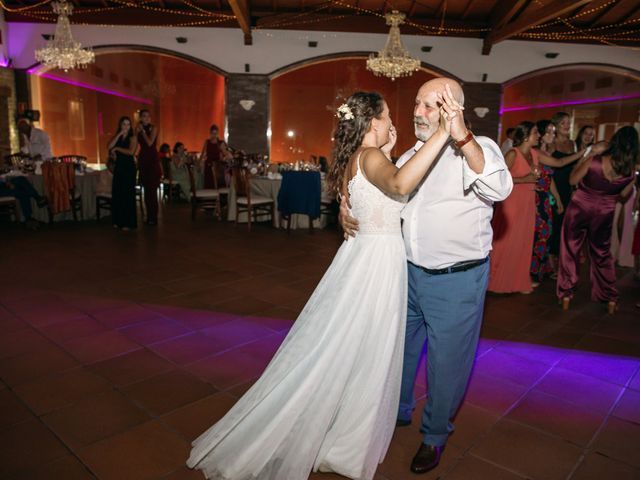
[571, 102]
[76, 83]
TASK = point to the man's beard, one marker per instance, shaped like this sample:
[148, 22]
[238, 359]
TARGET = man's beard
[422, 135]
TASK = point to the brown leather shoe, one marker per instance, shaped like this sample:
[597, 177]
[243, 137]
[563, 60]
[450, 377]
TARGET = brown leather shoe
[427, 458]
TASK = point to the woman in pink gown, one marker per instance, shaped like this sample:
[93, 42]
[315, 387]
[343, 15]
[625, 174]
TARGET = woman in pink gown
[602, 181]
[514, 219]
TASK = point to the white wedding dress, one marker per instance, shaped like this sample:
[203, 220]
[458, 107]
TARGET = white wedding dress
[329, 398]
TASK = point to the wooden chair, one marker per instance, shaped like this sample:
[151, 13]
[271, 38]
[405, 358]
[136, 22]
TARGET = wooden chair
[169, 189]
[75, 196]
[60, 187]
[9, 207]
[245, 201]
[103, 202]
[202, 198]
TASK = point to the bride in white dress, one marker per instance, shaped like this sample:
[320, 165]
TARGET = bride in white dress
[328, 400]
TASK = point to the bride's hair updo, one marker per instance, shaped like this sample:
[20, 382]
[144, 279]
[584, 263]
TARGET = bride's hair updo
[354, 121]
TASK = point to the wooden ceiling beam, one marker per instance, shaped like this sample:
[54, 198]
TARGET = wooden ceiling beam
[614, 13]
[467, 9]
[550, 11]
[504, 12]
[241, 11]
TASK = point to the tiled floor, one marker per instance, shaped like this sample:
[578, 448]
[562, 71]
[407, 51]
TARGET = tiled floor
[118, 349]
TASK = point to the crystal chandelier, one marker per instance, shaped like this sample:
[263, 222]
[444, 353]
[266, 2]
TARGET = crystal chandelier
[393, 60]
[62, 51]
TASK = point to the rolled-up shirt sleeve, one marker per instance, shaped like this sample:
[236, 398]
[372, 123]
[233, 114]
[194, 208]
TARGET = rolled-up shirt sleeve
[494, 183]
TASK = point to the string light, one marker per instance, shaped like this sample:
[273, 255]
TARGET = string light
[25, 8]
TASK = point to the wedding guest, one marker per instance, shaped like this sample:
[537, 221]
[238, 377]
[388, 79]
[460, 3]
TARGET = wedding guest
[586, 136]
[563, 147]
[324, 165]
[122, 148]
[34, 141]
[546, 196]
[214, 154]
[508, 143]
[602, 180]
[149, 165]
[635, 249]
[21, 189]
[179, 173]
[164, 154]
[514, 219]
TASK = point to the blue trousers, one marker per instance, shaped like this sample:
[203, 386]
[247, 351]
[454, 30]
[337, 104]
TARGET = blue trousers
[445, 312]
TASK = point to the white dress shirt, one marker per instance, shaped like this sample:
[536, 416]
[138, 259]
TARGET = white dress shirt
[37, 143]
[448, 218]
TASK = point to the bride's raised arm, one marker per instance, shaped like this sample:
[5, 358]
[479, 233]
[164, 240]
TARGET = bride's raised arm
[391, 179]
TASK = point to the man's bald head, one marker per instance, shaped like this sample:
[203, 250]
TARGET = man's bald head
[438, 85]
[426, 113]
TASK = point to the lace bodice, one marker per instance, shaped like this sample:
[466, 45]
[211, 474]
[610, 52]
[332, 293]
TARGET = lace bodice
[376, 211]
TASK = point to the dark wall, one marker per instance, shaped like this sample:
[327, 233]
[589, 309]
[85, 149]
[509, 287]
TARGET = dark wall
[483, 94]
[248, 128]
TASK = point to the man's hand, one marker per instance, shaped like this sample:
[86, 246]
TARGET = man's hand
[348, 223]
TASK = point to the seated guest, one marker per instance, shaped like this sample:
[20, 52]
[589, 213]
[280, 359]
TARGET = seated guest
[34, 141]
[178, 166]
[21, 189]
[324, 165]
[164, 153]
[508, 143]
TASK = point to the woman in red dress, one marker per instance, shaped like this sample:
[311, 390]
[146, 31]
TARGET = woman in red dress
[602, 181]
[149, 165]
[515, 218]
[214, 154]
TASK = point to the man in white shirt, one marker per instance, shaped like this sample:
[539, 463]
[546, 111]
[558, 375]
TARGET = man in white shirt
[508, 143]
[34, 141]
[447, 233]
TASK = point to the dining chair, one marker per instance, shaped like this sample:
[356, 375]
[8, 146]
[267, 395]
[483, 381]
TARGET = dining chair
[74, 195]
[60, 188]
[248, 202]
[9, 207]
[202, 197]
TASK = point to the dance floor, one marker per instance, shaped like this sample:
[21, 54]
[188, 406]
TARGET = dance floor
[118, 349]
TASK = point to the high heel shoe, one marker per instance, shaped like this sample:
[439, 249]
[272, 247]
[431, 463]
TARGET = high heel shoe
[612, 307]
[566, 302]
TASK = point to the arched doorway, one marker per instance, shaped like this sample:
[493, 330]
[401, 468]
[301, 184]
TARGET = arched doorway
[304, 99]
[604, 96]
[80, 109]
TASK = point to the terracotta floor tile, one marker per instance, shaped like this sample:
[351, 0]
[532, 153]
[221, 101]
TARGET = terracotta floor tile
[155, 330]
[277, 323]
[228, 369]
[555, 416]
[94, 418]
[12, 410]
[10, 324]
[25, 446]
[579, 389]
[240, 389]
[128, 315]
[131, 367]
[628, 408]
[470, 423]
[146, 451]
[236, 332]
[537, 353]
[60, 390]
[245, 305]
[167, 391]
[528, 452]
[597, 343]
[280, 313]
[512, 368]
[635, 381]
[34, 365]
[473, 468]
[184, 473]
[619, 440]
[494, 395]
[610, 368]
[75, 328]
[64, 468]
[193, 419]
[193, 318]
[44, 315]
[22, 341]
[398, 460]
[598, 467]
[187, 349]
[100, 346]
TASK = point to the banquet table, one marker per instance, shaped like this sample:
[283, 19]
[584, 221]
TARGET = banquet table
[86, 186]
[269, 187]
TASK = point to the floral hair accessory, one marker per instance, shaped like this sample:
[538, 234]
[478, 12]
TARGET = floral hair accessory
[344, 112]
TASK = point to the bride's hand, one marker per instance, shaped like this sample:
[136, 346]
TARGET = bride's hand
[451, 118]
[393, 137]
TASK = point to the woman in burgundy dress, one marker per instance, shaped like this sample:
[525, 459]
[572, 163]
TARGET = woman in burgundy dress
[214, 154]
[149, 165]
[603, 180]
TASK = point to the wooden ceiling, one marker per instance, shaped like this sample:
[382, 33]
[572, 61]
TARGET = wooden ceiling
[602, 22]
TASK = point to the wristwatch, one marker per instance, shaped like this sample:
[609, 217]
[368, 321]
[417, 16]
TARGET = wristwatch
[461, 143]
